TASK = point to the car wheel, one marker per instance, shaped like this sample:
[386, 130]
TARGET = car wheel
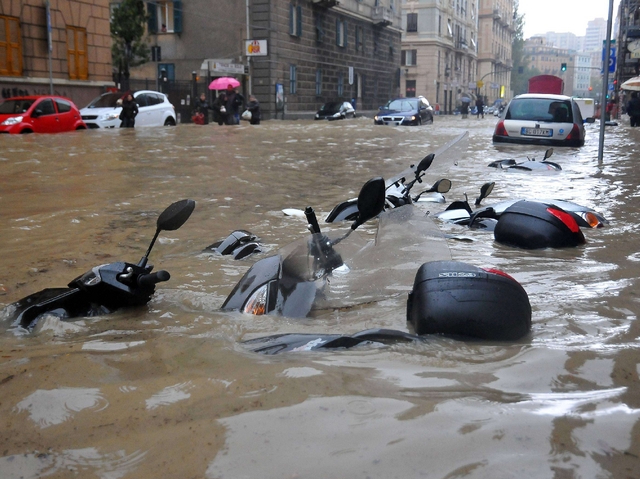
[419, 121]
[430, 119]
[170, 122]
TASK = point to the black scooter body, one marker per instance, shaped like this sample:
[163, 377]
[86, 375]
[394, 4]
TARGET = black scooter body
[458, 299]
[533, 225]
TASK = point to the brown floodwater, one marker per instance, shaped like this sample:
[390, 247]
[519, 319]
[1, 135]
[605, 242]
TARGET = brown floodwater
[168, 390]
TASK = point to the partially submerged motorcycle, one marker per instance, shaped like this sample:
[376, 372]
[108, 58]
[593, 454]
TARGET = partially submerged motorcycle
[104, 288]
[329, 271]
[398, 188]
[529, 224]
[530, 165]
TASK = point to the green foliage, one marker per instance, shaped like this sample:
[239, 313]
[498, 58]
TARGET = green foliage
[520, 73]
[129, 48]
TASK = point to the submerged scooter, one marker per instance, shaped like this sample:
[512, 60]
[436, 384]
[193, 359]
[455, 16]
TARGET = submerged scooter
[530, 165]
[528, 224]
[328, 271]
[105, 288]
[398, 190]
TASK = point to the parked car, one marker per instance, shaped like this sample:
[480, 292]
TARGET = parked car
[39, 114]
[154, 109]
[404, 111]
[541, 119]
[336, 110]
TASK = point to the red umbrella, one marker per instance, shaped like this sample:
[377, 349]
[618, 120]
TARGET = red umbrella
[223, 82]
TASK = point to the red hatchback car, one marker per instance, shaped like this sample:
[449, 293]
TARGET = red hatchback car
[39, 114]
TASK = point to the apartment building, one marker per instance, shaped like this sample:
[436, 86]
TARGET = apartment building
[496, 28]
[549, 59]
[62, 47]
[440, 50]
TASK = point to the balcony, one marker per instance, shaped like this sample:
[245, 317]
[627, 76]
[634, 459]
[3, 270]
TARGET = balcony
[382, 16]
[326, 3]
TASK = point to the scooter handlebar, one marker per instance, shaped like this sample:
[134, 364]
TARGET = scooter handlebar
[149, 280]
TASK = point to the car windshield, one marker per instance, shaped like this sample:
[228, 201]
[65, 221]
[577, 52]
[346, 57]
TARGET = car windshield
[540, 109]
[106, 100]
[332, 106]
[10, 107]
[402, 105]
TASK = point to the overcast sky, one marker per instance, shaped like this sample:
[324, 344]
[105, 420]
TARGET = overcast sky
[542, 16]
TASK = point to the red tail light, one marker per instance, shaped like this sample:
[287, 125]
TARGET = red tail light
[498, 272]
[574, 134]
[566, 218]
[500, 129]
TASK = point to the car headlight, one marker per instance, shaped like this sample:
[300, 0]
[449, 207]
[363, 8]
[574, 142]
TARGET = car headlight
[317, 116]
[375, 118]
[12, 121]
[110, 116]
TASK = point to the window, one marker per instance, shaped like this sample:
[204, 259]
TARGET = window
[318, 82]
[293, 79]
[63, 106]
[341, 33]
[169, 71]
[412, 22]
[46, 107]
[165, 16]
[77, 59]
[10, 46]
[409, 57]
[295, 20]
[360, 38]
[410, 89]
[319, 29]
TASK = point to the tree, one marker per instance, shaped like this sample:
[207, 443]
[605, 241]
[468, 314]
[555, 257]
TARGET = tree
[519, 76]
[130, 48]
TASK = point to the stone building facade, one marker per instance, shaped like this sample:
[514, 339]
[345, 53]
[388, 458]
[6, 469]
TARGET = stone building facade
[79, 48]
[496, 28]
[322, 50]
[440, 50]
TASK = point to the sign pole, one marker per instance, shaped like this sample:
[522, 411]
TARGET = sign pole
[50, 45]
[605, 85]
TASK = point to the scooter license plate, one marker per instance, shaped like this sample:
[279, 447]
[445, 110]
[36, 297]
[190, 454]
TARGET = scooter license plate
[548, 132]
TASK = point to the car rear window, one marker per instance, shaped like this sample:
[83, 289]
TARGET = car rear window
[10, 107]
[540, 109]
[63, 106]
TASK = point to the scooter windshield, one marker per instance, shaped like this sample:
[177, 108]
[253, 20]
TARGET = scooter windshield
[354, 270]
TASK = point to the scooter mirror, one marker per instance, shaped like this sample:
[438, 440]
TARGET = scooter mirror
[442, 186]
[370, 201]
[425, 163]
[175, 215]
[485, 190]
[548, 153]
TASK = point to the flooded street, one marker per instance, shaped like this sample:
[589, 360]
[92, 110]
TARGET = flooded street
[167, 390]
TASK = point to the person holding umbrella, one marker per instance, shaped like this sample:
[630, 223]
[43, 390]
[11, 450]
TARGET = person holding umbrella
[633, 109]
[226, 108]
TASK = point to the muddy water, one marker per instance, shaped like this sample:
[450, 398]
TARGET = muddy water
[167, 391]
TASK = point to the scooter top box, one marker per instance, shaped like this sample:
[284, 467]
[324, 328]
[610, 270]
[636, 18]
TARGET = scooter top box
[532, 225]
[459, 299]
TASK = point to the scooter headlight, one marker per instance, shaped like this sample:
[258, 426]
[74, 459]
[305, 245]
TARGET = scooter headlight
[257, 302]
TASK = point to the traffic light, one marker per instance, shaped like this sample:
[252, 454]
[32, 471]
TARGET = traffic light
[563, 67]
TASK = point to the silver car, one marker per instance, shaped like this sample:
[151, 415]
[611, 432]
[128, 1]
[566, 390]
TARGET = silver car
[541, 119]
[154, 109]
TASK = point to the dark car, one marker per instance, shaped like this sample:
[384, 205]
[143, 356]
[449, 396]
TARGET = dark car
[336, 110]
[39, 114]
[404, 111]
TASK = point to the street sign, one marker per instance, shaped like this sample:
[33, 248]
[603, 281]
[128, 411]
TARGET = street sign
[255, 48]
[612, 56]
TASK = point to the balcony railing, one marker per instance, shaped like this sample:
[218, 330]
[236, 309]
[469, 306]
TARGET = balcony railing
[382, 16]
[326, 3]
